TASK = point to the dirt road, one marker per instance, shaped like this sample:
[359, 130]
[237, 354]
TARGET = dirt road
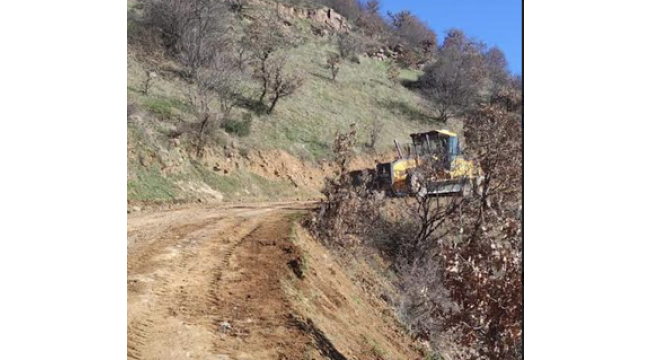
[204, 283]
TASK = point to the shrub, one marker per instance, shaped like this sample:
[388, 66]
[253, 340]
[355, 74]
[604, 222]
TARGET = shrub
[238, 127]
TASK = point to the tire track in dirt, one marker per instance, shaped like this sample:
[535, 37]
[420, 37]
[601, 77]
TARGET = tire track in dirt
[173, 281]
[137, 334]
[140, 325]
[195, 300]
[163, 266]
[251, 301]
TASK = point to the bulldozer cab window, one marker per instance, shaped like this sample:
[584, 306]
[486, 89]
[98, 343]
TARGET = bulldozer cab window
[445, 150]
[439, 146]
[421, 148]
[433, 145]
[454, 147]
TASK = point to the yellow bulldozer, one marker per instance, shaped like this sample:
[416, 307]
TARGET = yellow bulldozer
[433, 165]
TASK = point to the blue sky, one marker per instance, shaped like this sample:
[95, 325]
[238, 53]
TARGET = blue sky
[496, 22]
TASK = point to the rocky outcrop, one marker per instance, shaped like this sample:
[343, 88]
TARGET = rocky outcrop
[386, 52]
[323, 16]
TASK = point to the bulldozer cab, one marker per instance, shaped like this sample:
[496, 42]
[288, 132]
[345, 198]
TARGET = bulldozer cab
[434, 164]
[437, 146]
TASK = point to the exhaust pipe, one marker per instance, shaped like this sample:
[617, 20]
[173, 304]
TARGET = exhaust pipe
[399, 150]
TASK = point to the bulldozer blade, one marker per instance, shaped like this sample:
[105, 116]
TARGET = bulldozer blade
[446, 187]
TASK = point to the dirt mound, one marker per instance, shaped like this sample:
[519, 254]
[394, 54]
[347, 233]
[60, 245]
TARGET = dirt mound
[278, 165]
[343, 305]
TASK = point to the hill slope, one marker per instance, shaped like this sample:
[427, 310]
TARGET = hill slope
[292, 141]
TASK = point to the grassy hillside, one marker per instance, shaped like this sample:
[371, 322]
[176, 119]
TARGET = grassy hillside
[302, 125]
[305, 124]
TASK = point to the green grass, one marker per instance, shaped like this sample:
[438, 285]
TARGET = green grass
[410, 75]
[133, 5]
[376, 349]
[305, 123]
[165, 108]
[133, 11]
[240, 127]
[151, 185]
[294, 218]
[146, 181]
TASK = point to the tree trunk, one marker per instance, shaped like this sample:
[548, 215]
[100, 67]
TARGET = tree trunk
[275, 101]
[199, 142]
[265, 80]
[264, 90]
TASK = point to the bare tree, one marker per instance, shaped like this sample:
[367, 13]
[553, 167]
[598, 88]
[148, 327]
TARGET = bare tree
[197, 33]
[228, 83]
[517, 82]
[242, 55]
[510, 97]
[393, 73]
[348, 210]
[205, 36]
[217, 82]
[497, 68]
[433, 212]
[349, 45]
[333, 64]
[201, 98]
[150, 77]
[282, 82]
[453, 82]
[174, 19]
[483, 269]
[409, 58]
[415, 33]
[264, 37]
[374, 133]
[470, 247]
[370, 20]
